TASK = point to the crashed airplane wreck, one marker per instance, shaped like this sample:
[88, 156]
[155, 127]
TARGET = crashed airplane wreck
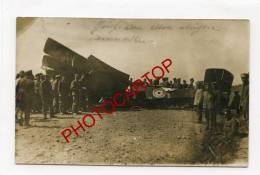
[102, 80]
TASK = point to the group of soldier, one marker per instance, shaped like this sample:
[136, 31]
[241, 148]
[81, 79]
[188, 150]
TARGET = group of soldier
[59, 95]
[216, 105]
[176, 83]
[48, 94]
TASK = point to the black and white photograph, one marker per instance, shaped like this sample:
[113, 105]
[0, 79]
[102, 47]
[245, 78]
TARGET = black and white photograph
[132, 92]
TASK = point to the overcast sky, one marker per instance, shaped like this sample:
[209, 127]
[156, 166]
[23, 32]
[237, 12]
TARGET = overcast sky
[135, 46]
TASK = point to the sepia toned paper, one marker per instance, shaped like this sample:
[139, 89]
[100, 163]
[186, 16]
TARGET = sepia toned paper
[158, 127]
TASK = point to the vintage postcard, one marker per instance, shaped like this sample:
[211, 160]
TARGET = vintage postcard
[149, 92]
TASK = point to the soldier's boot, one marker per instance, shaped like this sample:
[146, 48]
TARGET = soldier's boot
[74, 109]
[45, 116]
[27, 119]
[200, 117]
[51, 112]
[62, 108]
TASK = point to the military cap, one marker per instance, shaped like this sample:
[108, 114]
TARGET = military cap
[165, 78]
[21, 72]
[244, 75]
[29, 73]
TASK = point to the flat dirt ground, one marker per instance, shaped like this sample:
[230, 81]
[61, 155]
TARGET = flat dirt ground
[145, 137]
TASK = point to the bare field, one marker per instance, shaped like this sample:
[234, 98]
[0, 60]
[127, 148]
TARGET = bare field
[147, 137]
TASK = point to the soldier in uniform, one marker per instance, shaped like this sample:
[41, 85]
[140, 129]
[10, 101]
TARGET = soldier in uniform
[175, 83]
[37, 97]
[179, 85]
[165, 82]
[191, 86]
[63, 90]
[17, 97]
[145, 83]
[29, 74]
[198, 101]
[233, 106]
[46, 96]
[83, 92]
[244, 103]
[171, 84]
[208, 107]
[220, 103]
[75, 88]
[156, 82]
[184, 84]
[234, 102]
[25, 88]
[55, 90]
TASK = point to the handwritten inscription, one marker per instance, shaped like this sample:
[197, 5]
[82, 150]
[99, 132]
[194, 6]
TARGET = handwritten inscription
[131, 38]
[161, 27]
[106, 30]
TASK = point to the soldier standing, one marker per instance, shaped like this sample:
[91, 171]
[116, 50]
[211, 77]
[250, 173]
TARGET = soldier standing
[234, 102]
[208, 107]
[233, 106]
[37, 97]
[46, 96]
[198, 101]
[220, 103]
[75, 88]
[179, 85]
[244, 103]
[184, 84]
[171, 84]
[175, 83]
[17, 95]
[165, 82]
[191, 86]
[83, 92]
[55, 90]
[63, 89]
[25, 88]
